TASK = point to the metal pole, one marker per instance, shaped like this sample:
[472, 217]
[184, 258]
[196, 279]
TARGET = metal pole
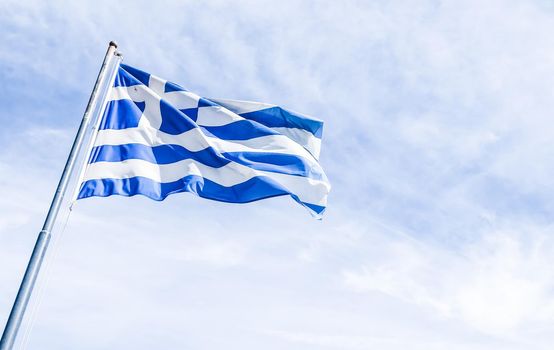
[37, 257]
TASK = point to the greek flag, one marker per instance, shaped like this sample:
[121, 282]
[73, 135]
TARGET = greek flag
[155, 138]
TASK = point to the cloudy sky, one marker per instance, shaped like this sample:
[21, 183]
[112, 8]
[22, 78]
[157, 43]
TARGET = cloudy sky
[438, 144]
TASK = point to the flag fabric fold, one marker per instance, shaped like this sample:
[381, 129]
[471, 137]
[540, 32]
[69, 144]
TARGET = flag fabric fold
[155, 138]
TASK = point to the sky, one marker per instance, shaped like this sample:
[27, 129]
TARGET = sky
[438, 232]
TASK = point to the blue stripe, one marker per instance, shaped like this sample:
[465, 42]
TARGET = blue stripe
[276, 117]
[277, 163]
[122, 114]
[192, 113]
[168, 154]
[252, 190]
[318, 209]
[203, 102]
[124, 78]
[139, 75]
[163, 154]
[239, 130]
[169, 87]
[174, 121]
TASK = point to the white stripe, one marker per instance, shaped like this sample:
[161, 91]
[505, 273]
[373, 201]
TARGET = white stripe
[135, 93]
[140, 93]
[182, 99]
[308, 190]
[156, 84]
[216, 116]
[194, 140]
[240, 107]
[303, 138]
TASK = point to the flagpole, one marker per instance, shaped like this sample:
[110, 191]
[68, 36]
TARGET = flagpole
[25, 289]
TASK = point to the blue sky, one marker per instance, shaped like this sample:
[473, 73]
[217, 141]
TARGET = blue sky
[437, 142]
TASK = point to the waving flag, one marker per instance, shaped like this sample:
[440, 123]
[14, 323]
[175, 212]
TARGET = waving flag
[156, 138]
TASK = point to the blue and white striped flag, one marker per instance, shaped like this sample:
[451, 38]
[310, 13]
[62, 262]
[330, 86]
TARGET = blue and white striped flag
[156, 138]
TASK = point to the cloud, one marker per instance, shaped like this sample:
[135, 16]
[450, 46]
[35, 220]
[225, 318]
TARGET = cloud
[437, 143]
[498, 284]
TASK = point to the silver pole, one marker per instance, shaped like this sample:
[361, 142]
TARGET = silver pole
[37, 257]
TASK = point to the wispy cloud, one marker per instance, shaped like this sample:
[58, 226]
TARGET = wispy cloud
[437, 142]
